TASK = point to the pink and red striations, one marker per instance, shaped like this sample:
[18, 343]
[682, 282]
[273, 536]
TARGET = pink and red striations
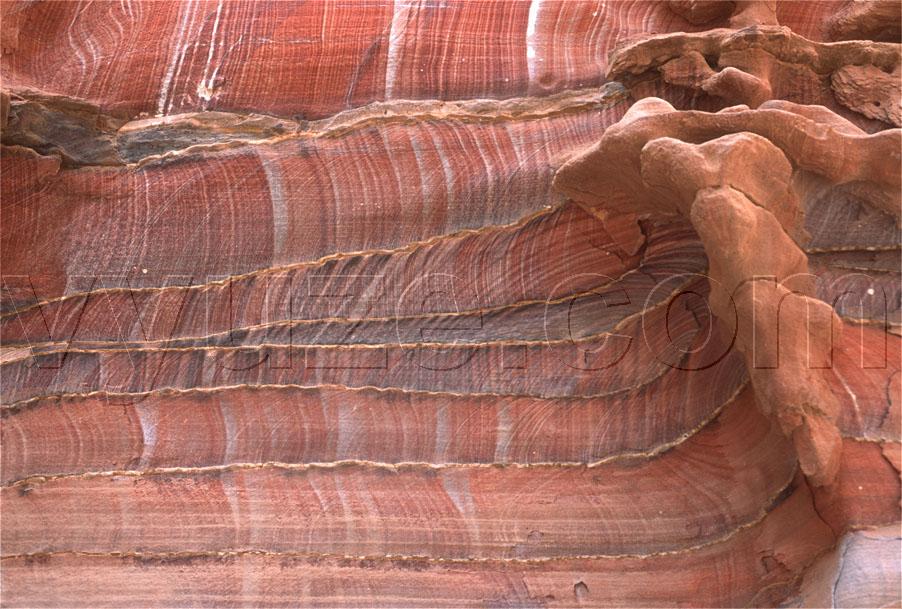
[512, 303]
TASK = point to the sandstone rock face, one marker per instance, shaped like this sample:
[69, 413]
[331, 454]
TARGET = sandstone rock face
[450, 304]
[743, 191]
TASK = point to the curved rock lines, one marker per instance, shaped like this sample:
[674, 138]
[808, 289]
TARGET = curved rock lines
[449, 304]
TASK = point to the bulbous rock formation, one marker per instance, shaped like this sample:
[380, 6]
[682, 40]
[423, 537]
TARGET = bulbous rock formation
[402, 303]
[756, 64]
[741, 191]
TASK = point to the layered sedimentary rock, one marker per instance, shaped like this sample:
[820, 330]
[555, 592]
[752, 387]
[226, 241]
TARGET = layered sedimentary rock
[459, 304]
[759, 63]
[744, 178]
[319, 59]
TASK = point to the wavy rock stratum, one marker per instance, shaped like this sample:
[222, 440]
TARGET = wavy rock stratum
[545, 303]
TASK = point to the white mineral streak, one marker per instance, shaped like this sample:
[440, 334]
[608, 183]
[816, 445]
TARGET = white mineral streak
[205, 87]
[164, 103]
[531, 59]
[280, 219]
[400, 17]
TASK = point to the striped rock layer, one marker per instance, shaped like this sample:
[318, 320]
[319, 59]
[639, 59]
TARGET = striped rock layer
[421, 303]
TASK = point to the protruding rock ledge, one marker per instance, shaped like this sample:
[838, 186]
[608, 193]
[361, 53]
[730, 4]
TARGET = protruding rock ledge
[756, 64]
[867, 20]
[81, 133]
[743, 178]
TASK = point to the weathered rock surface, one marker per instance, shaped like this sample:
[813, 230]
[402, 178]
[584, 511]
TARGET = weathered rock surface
[741, 192]
[558, 303]
[867, 20]
[759, 63]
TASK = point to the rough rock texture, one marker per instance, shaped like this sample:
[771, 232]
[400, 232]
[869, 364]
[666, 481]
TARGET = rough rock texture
[742, 191]
[868, 20]
[759, 63]
[557, 303]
